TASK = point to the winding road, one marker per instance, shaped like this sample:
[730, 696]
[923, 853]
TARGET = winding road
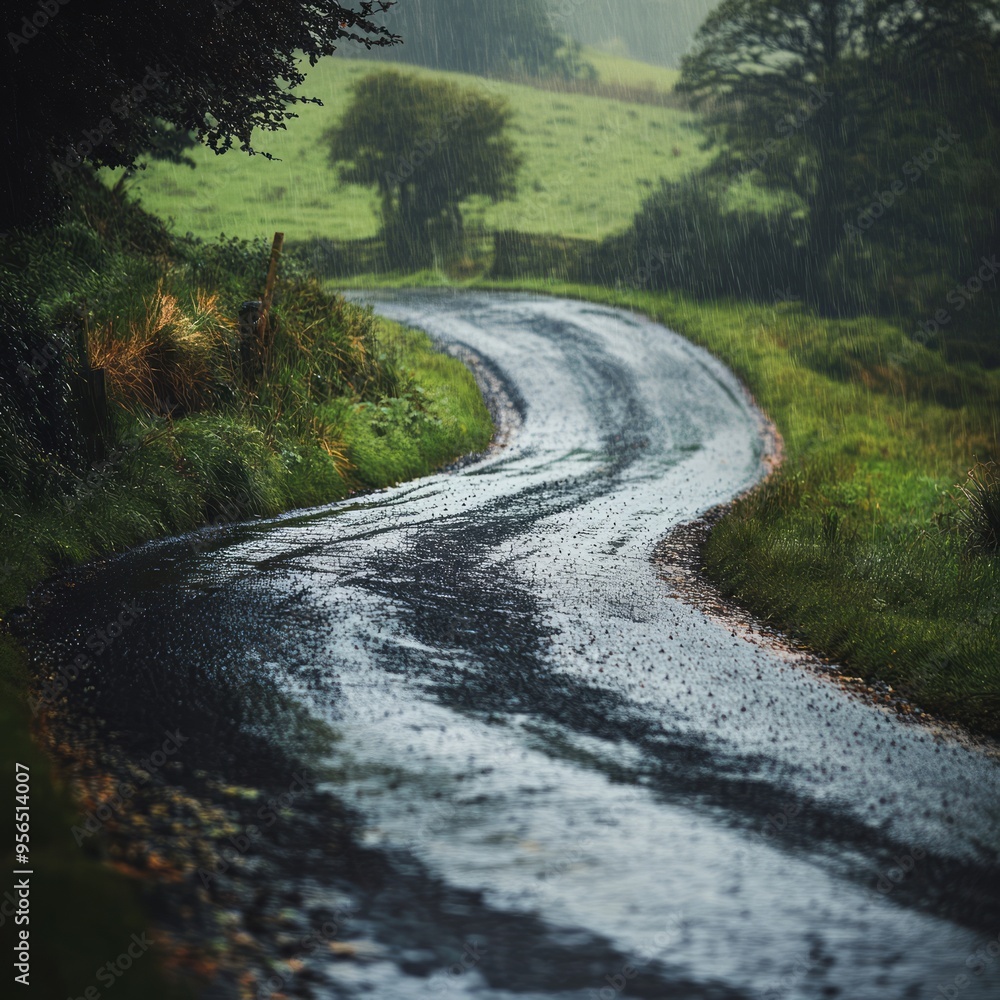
[554, 779]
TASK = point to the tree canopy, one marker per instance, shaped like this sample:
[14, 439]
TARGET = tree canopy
[427, 146]
[102, 81]
[884, 106]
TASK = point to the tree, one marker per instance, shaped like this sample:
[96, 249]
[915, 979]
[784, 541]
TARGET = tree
[488, 37]
[427, 146]
[97, 82]
[833, 99]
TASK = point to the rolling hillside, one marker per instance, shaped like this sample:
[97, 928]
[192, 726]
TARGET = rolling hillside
[589, 162]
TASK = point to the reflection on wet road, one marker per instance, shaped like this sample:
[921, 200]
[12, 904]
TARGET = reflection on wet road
[556, 781]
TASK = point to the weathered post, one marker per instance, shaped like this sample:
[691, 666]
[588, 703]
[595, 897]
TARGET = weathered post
[249, 359]
[92, 401]
[264, 340]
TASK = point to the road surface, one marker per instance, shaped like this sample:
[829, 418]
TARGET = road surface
[552, 778]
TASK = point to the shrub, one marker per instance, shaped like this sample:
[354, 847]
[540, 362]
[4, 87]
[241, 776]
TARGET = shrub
[167, 357]
[690, 235]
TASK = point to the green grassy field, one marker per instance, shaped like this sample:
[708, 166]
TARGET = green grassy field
[589, 162]
[613, 69]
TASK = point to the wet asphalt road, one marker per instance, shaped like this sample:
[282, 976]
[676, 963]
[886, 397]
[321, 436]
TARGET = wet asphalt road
[557, 780]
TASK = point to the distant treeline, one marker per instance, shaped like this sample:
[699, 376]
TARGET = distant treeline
[856, 168]
[530, 36]
[488, 37]
[654, 31]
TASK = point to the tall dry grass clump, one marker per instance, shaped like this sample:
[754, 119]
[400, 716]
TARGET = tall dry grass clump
[166, 358]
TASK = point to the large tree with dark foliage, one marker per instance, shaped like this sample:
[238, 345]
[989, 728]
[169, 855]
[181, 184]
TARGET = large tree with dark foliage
[102, 82]
[839, 101]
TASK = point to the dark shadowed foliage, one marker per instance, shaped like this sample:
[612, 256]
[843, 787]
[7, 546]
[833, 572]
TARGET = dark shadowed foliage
[105, 81]
[880, 117]
[35, 412]
[685, 237]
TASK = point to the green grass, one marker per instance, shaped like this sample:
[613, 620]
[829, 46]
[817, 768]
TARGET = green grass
[589, 162]
[444, 405]
[622, 71]
[855, 547]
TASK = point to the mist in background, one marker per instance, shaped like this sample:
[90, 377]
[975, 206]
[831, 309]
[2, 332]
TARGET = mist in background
[529, 36]
[655, 31]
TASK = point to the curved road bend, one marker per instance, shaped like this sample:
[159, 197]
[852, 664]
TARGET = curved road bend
[558, 781]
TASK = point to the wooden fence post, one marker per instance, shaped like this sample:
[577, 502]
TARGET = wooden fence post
[92, 401]
[265, 342]
[249, 347]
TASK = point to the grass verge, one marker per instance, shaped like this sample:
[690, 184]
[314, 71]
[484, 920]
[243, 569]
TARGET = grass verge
[855, 547]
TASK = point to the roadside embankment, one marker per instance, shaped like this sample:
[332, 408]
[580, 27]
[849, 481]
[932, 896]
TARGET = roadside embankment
[133, 406]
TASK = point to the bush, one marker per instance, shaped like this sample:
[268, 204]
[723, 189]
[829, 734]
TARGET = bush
[688, 235]
[131, 328]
